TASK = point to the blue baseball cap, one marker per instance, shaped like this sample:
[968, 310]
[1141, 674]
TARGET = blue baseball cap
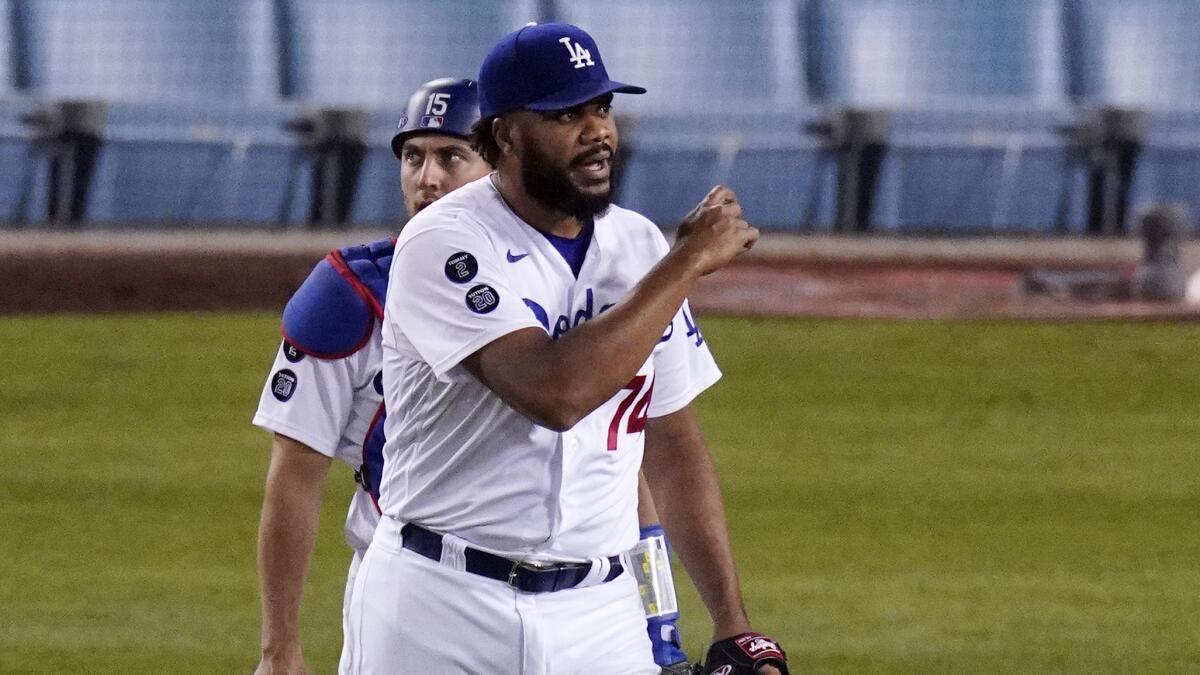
[548, 66]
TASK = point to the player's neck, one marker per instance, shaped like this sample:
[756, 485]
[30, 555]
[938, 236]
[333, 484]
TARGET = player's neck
[536, 214]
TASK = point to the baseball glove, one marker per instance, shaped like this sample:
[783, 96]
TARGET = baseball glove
[743, 655]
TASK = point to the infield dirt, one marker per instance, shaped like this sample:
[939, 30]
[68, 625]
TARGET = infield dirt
[786, 275]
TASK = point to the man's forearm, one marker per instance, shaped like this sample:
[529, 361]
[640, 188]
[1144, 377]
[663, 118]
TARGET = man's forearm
[647, 514]
[557, 382]
[623, 337]
[286, 535]
[681, 476]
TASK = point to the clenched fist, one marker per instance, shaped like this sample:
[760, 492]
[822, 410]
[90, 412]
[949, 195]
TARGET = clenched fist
[715, 232]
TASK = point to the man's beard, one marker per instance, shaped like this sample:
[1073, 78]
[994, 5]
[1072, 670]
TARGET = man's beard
[553, 187]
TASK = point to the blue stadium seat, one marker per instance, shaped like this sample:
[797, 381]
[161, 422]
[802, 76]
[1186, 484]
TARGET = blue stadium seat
[235, 166]
[178, 51]
[24, 188]
[1140, 54]
[978, 95]
[725, 103]
[923, 54]
[699, 57]
[8, 63]
[1145, 55]
[18, 152]
[14, 138]
[950, 171]
[195, 121]
[782, 177]
[374, 53]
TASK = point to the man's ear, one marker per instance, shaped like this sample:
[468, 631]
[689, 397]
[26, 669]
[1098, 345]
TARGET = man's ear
[505, 131]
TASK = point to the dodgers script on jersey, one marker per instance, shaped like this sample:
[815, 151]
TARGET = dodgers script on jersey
[329, 406]
[458, 459]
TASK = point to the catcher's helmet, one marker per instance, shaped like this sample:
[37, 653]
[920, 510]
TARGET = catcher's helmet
[443, 106]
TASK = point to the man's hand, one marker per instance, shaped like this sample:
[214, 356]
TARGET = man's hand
[289, 662]
[714, 232]
[746, 654]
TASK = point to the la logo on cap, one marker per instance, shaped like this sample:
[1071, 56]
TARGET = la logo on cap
[579, 56]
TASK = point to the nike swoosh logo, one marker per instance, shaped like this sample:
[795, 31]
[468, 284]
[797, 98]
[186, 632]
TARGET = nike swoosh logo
[515, 258]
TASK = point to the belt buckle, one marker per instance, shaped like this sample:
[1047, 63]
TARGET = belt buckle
[526, 565]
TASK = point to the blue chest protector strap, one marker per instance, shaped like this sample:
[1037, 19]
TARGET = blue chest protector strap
[332, 316]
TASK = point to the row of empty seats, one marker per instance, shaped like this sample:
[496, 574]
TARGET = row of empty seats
[981, 96]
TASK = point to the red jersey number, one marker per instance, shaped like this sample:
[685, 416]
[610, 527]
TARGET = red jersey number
[637, 416]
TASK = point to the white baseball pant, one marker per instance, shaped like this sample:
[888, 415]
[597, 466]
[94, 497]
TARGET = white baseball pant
[410, 615]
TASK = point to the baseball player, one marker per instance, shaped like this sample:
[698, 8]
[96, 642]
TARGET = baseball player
[323, 400]
[337, 412]
[542, 342]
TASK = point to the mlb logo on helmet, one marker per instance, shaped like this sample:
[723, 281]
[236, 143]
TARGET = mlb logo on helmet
[432, 121]
[547, 67]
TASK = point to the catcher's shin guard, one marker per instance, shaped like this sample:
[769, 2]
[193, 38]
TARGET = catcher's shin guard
[650, 562]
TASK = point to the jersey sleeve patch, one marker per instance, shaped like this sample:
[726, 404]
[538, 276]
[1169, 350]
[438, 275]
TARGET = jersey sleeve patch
[458, 294]
[328, 317]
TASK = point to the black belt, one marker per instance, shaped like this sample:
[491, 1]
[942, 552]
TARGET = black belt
[524, 576]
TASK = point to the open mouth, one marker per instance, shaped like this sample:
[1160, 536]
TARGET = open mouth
[595, 165]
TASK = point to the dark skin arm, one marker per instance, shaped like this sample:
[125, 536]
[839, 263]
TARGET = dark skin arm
[286, 536]
[556, 383]
[679, 471]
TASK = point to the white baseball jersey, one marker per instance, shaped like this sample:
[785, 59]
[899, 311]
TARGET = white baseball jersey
[460, 460]
[328, 405]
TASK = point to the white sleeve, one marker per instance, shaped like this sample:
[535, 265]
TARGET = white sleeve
[457, 296]
[683, 366]
[309, 399]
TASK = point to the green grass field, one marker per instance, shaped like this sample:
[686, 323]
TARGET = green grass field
[904, 497]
